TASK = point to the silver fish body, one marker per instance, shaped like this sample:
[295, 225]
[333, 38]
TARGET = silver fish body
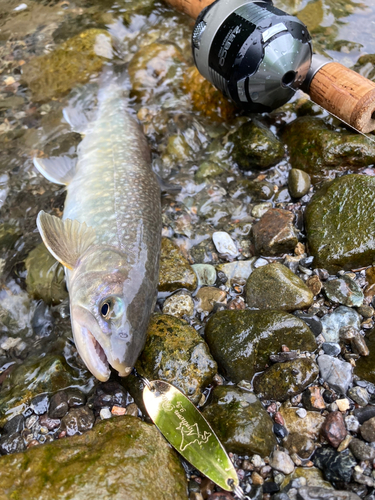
[113, 283]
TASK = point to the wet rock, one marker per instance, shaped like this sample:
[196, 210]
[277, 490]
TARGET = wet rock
[58, 405]
[40, 404]
[312, 399]
[300, 444]
[175, 272]
[335, 466]
[15, 424]
[280, 431]
[284, 380]
[260, 209]
[45, 276]
[206, 274]
[109, 394]
[361, 450]
[152, 65]
[309, 426]
[348, 202]
[180, 304]
[275, 233]
[333, 428]
[364, 414]
[208, 296]
[208, 169]
[237, 272]
[359, 395]
[75, 61]
[344, 291]
[368, 430]
[206, 98]
[299, 183]
[78, 421]
[281, 461]
[331, 348]
[255, 146]
[366, 311]
[140, 463]
[352, 423]
[315, 285]
[359, 345]
[176, 353]
[75, 397]
[240, 421]
[365, 366]
[37, 376]
[49, 423]
[341, 317]
[275, 287]
[322, 152]
[338, 374]
[318, 493]
[242, 341]
[224, 244]
[12, 443]
[312, 475]
[311, 320]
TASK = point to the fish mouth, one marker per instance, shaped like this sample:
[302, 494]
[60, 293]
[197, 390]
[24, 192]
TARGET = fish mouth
[93, 346]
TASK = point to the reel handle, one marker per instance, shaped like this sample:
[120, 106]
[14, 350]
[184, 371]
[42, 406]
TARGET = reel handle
[341, 91]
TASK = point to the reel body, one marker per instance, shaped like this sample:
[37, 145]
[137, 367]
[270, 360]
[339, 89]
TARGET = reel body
[255, 54]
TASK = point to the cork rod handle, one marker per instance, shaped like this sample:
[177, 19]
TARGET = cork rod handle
[345, 94]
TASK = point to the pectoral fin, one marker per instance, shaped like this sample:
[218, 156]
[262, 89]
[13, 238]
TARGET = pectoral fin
[66, 239]
[58, 169]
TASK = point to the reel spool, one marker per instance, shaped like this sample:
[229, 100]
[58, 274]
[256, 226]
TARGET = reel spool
[254, 53]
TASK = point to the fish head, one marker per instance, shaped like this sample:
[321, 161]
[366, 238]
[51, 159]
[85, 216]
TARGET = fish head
[108, 311]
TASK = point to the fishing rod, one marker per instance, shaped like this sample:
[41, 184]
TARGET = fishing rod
[258, 56]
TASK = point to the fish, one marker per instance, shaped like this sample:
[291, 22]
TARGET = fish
[109, 237]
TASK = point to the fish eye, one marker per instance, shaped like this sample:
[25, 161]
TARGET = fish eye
[112, 308]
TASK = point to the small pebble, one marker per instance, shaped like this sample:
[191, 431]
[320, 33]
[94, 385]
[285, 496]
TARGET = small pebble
[105, 413]
[343, 404]
[281, 461]
[301, 412]
[32, 443]
[117, 410]
[333, 428]
[132, 410]
[224, 244]
[366, 311]
[359, 395]
[359, 346]
[257, 478]
[260, 263]
[257, 461]
[31, 421]
[331, 348]
[344, 443]
[260, 209]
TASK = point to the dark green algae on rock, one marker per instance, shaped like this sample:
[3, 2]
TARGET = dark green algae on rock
[284, 380]
[340, 223]
[242, 341]
[240, 421]
[176, 353]
[322, 152]
[121, 458]
[175, 271]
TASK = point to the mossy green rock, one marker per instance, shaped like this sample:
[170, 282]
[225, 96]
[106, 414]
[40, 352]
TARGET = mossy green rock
[176, 353]
[120, 458]
[45, 276]
[240, 421]
[208, 169]
[242, 341]
[299, 183]
[366, 66]
[365, 365]
[274, 286]
[322, 152]
[340, 223]
[8, 236]
[284, 380]
[54, 74]
[255, 146]
[175, 271]
[38, 376]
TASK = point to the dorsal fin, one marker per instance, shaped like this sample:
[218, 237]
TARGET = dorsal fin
[57, 169]
[66, 239]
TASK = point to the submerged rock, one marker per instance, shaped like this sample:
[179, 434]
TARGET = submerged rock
[206, 274]
[237, 272]
[255, 146]
[320, 493]
[322, 152]
[308, 426]
[176, 353]
[121, 458]
[341, 317]
[340, 223]
[240, 421]
[275, 233]
[180, 304]
[276, 287]
[175, 271]
[313, 476]
[45, 276]
[365, 366]
[336, 466]
[338, 374]
[345, 291]
[75, 61]
[284, 380]
[242, 341]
